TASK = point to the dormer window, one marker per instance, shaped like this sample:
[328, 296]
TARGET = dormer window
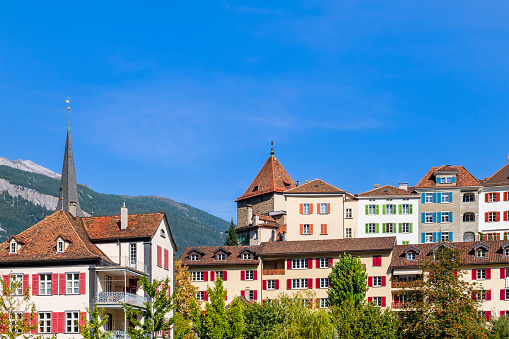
[410, 255]
[480, 253]
[221, 256]
[506, 252]
[60, 246]
[194, 257]
[13, 248]
[246, 256]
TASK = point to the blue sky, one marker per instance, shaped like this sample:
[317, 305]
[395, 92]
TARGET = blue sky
[182, 99]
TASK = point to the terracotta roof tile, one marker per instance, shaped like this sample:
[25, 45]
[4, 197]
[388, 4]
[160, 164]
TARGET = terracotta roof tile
[315, 186]
[209, 259]
[139, 226]
[500, 178]
[463, 178]
[267, 218]
[271, 178]
[326, 246]
[386, 190]
[40, 241]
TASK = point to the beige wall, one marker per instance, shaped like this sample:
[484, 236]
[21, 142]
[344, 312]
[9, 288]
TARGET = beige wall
[352, 222]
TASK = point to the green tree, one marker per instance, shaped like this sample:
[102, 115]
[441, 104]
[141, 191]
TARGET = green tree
[231, 239]
[500, 328]
[347, 281]
[151, 318]
[183, 295]
[261, 318]
[92, 328]
[18, 317]
[441, 304]
[236, 324]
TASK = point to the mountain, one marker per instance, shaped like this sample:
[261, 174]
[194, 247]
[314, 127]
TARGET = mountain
[29, 192]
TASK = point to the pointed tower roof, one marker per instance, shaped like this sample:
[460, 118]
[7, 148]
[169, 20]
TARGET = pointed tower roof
[271, 178]
[68, 183]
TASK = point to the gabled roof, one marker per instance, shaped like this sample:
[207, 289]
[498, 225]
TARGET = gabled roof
[500, 178]
[481, 245]
[315, 186]
[196, 250]
[209, 258]
[271, 178]
[412, 248]
[463, 178]
[221, 249]
[40, 243]
[385, 191]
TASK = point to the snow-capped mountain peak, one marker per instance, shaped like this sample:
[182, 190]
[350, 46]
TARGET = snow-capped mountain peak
[29, 166]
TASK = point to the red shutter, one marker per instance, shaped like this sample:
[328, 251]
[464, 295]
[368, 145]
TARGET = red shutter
[498, 236]
[54, 285]
[61, 322]
[502, 273]
[225, 297]
[159, 256]
[289, 264]
[301, 208]
[502, 294]
[310, 263]
[205, 276]
[486, 197]
[206, 296]
[83, 318]
[498, 216]
[83, 283]
[488, 273]
[474, 274]
[225, 275]
[255, 295]
[474, 295]
[166, 259]
[370, 281]
[34, 322]
[318, 209]
[242, 275]
[486, 217]
[317, 283]
[330, 262]
[323, 228]
[288, 284]
[455, 273]
[7, 280]
[301, 229]
[255, 275]
[318, 263]
[311, 209]
[502, 313]
[264, 285]
[26, 282]
[506, 196]
[243, 293]
[377, 260]
[488, 295]
[328, 208]
[212, 276]
[310, 283]
[498, 196]
[384, 301]
[54, 322]
[310, 228]
[61, 283]
[35, 284]
[506, 215]
[277, 284]
[488, 315]
[370, 299]
[383, 280]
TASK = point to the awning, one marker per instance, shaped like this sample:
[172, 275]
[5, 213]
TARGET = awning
[403, 272]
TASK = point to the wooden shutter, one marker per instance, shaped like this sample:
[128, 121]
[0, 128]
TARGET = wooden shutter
[243, 293]
[506, 215]
[301, 208]
[384, 301]
[310, 229]
[330, 262]
[61, 283]
[486, 217]
[205, 276]
[166, 259]
[502, 273]
[206, 296]
[383, 280]
[54, 322]
[502, 294]
[370, 281]
[35, 284]
[323, 228]
[277, 284]
[488, 315]
[242, 275]
[488, 295]
[486, 197]
[255, 275]
[318, 263]
[498, 216]
[506, 196]
[474, 274]
[498, 196]
[370, 299]
[61, 322]
[488, 273]
[225, 275]
[310, 283]
[310, 263]
[82, 282]
[159, 256]
[502, 313]
[318, 209]
[26, 282]
[301, 229]
[255, 295]
[328, 208]
[264, 285]
[288, 284]
[83, 318]
[212, 276]
[54, 284]
[311, 209]
[289, 264]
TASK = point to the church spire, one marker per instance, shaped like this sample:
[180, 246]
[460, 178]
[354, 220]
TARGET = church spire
[68, 198]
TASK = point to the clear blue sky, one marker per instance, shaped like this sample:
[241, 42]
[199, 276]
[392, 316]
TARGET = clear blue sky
[181, 99]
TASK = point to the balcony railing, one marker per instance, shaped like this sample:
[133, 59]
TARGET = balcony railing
[273, 271]
[118, 297]
[399, 305]
[118, 334]
[127, 262]
[406, 284]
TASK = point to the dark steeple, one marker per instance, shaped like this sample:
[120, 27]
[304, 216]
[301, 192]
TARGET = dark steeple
[68, 184]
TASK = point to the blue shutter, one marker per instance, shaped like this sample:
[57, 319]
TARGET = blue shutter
[450, 216]
[439, 217]
[423, 218]
[439, 236]
[434, 216]
[453, 179]
[434, 236]
[450, 196]
[434, 197]
[450, 236]
[423, 238]
[423, 198]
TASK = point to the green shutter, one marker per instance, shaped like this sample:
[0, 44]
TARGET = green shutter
[367, 228]
[376, 210]
[394, 209]
[383, 228]
[400, 228]
[406, 242]
[383, 209]
[376, 228]
[400, 209]
[367, 209]
[411, 228]
[410, 208]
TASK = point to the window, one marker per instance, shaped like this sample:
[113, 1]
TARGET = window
[377, 301]
[218, 274]
[324, 262]
[492, 197]
[348, 213]
[246, 256]
[163, 233]
[348, 233]
[249, 275]
[372, 228]
[405, 227]
[324, 282]
[197, 276]
[200, 295]
[444, 180]
[60, 246]
[108, 325]
[507, 294]
[323, 208]
[44, 284]
[71, 322]
[468, 217]
[445, 236]
[480, 253]
[445, 197]
[324, 303]
[299, 284]
[18, 279]
[469, 197]
[251, 294]
[372, 209]
[428, 217]
[73, 283]
[306, 229]
[481, 295]
[389, 227]
[221, 257]
[405, 209]
[255, 235]
[15, 317]
[389, 209]
[428, 198]
[44, 322]
[492, 216]
[194, 257]
[410, 256]
[132, 255]
[428, 237]
[271, 284]
[13, 248]
[305, 208]
[108, 283]
[299, 263]
[377, 281]
[506, 252]
[445, 216]
[405, 242]
[481, 273]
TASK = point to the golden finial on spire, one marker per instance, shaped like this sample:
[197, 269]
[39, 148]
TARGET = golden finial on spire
[272, 148]
[68, 109]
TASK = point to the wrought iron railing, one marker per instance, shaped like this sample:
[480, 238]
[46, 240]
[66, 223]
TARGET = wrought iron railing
[126, 261]
[118, 334]
[117, 297]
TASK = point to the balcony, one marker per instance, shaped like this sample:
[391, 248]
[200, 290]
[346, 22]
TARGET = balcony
[115, 298]
[406, 284]
[273, 271]
[398, 305]
[118, 334]
[126, 261]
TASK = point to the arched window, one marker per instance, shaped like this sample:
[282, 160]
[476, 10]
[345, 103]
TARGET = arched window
[468, 236]
[469, 197]
[13, 248]
[469, 217]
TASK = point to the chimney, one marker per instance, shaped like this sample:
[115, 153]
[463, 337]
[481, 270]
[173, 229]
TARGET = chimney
[298, 183]
[123, 217]
[376, 186]
[273, 235]
[403, 185]
[249, 214]
[307, 181]
[256, 220]
[72, 208]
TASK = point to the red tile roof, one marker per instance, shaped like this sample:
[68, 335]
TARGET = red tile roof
[267, 218]
[326, 246]
[500, 178]
[271, 178]
[463, 178]
[209, 259]
[40, 241]
[315, 186]
[387, 190]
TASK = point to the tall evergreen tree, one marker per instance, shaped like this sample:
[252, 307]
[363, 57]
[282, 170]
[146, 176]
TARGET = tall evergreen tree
[231, 238]
[347, 281]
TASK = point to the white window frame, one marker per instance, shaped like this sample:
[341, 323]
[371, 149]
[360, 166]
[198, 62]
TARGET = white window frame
[72, 283]
[271, 284]
[405, 227]
[17, 277]
[410, 256]
[323, 208]
[194, 257]
[306, 208]
[428, 198]
[389, 209]
[492, 216]
[133, 255]
[405, 209]
[324, 303]
[255, 235]
[249, 275]
[445, 236]
[44, 319]
[492, 197]
[300, 264]
[72, 319]
[348, 232]
[218, 274]
[60, 246]
[377, 301]
[371, 209]
[507, 295]
[324, 262]
[389, 227]
[377, 281]
[250, 294]
[246, 256]
[200, 295]
[444, 217]
[372, 228]
[197, 276]
[221, 257]
[506, 252]
[324, 283]
[348, 213]
[444, 199]
[299, 284]
[481, 274]
[45, 284]
[13, 247]
[428, 237]
[306, 229]
[428, 217]
[480, 253]
[481, 295]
